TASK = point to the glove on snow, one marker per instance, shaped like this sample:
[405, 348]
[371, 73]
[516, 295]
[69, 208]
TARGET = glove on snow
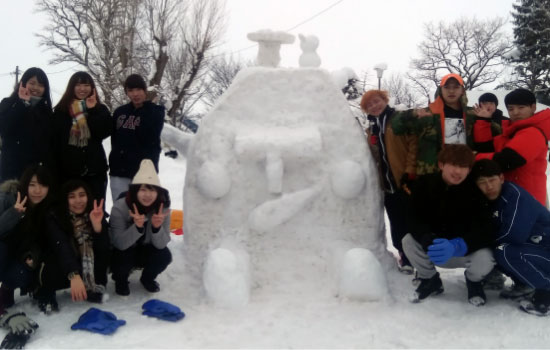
[443, 249]
[18, 323]
[163, 310]
[98, 321]
[14, 341]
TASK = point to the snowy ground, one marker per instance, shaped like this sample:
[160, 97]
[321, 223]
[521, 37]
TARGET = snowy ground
[293, 317]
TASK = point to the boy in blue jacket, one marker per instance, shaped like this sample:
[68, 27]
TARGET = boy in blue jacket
[522, 234]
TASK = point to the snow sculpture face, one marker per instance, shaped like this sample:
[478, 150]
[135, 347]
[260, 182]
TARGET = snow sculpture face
[281, 168]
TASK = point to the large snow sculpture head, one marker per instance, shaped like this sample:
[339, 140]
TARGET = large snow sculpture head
[281, 171]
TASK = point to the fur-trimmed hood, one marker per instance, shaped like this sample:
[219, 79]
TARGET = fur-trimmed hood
[10, 186]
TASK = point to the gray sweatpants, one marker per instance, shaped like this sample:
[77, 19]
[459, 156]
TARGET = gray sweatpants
[478, 264]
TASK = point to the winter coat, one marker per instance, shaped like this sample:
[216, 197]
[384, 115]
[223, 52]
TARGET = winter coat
[521, 151]
[135, 136]
[125, 234]
[437, 210]
[73, 161]
[9, 216]
[62, 249]
[395, 154]
[26, 133]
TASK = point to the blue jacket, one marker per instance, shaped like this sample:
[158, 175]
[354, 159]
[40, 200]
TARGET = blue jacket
[135, 136]
[520, 218]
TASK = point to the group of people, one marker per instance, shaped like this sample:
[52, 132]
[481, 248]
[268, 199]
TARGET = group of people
[465, 187]
[54, 232]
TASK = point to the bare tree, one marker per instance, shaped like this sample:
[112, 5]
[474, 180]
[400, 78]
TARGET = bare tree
[166, 41]
[222, 71]
[402, 92]
[472, 48]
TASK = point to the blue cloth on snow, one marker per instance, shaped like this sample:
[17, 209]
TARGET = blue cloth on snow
[98, 321]
[163, 310]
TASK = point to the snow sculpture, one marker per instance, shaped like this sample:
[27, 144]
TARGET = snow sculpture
[309, 57]
[269, 45]
[278, 175]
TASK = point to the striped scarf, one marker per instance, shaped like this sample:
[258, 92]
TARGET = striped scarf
[79, 133]
[83, 237]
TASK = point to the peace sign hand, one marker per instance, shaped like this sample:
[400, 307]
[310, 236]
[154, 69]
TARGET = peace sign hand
[158, 218]
[139, 219]
[96, 215]
[23, 92]
[91, 101]
[20, 204]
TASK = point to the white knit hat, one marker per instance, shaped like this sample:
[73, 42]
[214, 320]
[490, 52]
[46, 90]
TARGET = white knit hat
[146, 175]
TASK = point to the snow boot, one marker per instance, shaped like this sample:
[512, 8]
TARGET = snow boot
[427, 287]
[476, 295]
[518, 291]
[151, 286]
[538, 305]
[122, 288]
[494, 280]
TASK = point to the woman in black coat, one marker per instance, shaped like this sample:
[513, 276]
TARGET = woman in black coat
[81, 123]
[25, 125]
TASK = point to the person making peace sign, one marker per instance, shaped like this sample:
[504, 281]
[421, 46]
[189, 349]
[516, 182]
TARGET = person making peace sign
[140, 231]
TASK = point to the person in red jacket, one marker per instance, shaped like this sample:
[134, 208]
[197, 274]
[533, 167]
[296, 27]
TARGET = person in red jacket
[521, 150]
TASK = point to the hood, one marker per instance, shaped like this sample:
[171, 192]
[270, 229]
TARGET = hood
[438, 104]
[540, 120]
[10, 186]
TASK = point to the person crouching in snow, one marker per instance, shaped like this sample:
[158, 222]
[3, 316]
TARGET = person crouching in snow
[79, 248]
[521, 151]
[449, 226]
[140, 230]
[523, 245]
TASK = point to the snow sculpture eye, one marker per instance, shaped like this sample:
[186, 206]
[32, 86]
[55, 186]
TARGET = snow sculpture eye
[213, 180]
[347, 179]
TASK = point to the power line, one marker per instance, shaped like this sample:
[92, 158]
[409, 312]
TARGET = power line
[64, 70]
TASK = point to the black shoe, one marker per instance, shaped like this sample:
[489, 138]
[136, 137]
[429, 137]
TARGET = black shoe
[476, 295]
[150, 286]
[122, 288]
[494, 280]
[94, 297]
[427, 287]
[518, 291]
[47, 303]
[538, 305]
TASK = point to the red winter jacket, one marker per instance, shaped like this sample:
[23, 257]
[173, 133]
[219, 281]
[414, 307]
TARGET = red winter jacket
[521, 151]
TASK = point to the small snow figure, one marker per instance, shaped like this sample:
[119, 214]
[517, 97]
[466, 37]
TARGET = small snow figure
[308, 44]
[269, 43]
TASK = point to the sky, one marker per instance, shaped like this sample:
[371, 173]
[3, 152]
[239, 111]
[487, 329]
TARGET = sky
[352, 33]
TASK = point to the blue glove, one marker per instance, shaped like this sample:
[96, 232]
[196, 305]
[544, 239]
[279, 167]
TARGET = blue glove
[98, 321]
[443, 249]
[163, 310]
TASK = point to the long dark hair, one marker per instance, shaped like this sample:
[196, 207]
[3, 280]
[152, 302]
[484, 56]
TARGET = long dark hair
[35, 214]
[62, 212]
[68, 95]
[162, 197]
[42, 79]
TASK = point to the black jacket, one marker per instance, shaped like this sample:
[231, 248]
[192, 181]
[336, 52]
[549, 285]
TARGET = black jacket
[26, 136]
[135, 136]
[438, 210]
[73, 161]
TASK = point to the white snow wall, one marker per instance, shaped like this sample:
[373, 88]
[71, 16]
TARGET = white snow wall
[281, 168]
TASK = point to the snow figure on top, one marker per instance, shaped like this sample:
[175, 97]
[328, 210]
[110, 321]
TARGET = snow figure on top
[309, 57]
[281, 193]
[269, 44]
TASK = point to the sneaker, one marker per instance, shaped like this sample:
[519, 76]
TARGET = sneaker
[476, 295]
[48, 303]
[122, 288]
[150, 286]
[494, 280]
[538, 304]
[517, 291]
[427, 287]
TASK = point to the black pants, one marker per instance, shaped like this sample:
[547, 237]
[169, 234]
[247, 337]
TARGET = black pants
[152, 260]
[13, 273]
[395, 204]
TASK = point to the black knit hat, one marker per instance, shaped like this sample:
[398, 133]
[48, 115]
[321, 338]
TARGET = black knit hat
[488, 97]
[522, 97]
[486, 168]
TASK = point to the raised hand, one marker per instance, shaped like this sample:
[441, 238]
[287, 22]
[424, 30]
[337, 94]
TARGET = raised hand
[96, 215]
[139, 219]
[24, 93]
[158, 218]
[91, 101]
[20, 204]
[481, 112]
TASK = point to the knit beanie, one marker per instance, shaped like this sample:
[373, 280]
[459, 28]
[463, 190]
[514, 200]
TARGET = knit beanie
[485, 168]
[146, 175]
[488, 97]
[521, 97]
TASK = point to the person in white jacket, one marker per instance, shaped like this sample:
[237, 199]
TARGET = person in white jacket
[140, 231]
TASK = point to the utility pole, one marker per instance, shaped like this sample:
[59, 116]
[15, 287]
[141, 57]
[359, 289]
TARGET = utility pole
[16, 75]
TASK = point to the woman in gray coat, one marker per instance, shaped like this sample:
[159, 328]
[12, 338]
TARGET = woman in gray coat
[140, 231]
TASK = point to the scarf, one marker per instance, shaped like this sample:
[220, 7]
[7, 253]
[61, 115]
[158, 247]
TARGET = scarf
[79, 133]
[83, 236]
